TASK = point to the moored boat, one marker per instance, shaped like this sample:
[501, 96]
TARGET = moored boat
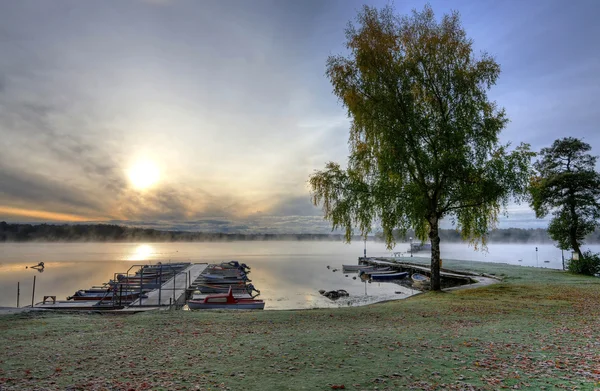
[226, 301]
[384, 270]
[419, 278]
[389, 276]
[107, 296]
[350, 268]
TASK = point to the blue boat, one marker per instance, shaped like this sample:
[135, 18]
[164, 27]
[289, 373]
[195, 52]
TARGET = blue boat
[389, 276]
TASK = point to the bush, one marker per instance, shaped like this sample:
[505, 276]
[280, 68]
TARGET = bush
[588, 264]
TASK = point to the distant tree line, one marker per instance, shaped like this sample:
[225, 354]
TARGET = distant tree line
[507, 235]
[118, 233]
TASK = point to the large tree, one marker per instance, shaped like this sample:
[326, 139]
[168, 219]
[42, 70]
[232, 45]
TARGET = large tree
[567, 185]
[424, 135]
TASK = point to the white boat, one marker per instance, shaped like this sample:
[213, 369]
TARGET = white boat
[226, 301]
[419, 278]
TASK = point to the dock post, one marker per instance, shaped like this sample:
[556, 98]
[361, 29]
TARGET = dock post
[33, 293]
[160, 284]
[18, 292]
[174, 278]
[141, 284]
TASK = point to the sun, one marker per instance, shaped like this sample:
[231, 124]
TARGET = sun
[143, 174]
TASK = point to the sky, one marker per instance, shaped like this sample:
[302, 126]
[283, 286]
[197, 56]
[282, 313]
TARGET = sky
[211, 115]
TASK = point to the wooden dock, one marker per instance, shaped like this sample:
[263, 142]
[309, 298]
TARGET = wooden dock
[404, 264]
[173, 291]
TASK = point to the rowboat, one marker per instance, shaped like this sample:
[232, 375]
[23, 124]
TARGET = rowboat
[384, 270]
[389, 276]
[419, 278]
[350, 268]
[226, 301]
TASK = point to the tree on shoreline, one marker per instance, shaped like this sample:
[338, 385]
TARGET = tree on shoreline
[424, 135]
[567, 185]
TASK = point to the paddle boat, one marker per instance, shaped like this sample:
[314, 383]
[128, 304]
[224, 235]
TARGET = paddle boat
[226, 301]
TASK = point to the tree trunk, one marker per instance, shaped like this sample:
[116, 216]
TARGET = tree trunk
[574, 224]
[434, 237]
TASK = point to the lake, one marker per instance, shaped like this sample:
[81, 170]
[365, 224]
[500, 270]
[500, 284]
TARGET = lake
[289, 274]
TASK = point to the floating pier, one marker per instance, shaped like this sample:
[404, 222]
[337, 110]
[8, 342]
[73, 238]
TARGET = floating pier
[173, 291]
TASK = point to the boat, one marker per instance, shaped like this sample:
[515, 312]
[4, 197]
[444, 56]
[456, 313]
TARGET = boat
[389, 276]
[224, 271]
[224, 288]
[106, 296]
[204, 280]
[350, 268]
[226, 301]
[383, 270]
[238, 295]
[234, 265]
[419, 278]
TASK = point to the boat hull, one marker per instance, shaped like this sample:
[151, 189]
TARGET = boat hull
[419, 278]
[355, 268]
[389, 276]
[199, 305]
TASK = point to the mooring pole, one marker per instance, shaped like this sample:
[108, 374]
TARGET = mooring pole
[141, 283]
[159, 285]
[18, 292]
[174, 278]
[536, 257]
[33, 293]
[365, 247]
[562, 253]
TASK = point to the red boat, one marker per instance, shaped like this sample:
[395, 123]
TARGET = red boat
[226, 301]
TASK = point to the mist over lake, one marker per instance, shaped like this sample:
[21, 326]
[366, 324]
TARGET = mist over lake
[289, 274]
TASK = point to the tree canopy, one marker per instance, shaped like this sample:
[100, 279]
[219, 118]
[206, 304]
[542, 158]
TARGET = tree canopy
[568, 186]
[424, 135]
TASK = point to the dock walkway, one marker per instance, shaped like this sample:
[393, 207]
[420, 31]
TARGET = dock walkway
[174, 290]
[405, 263]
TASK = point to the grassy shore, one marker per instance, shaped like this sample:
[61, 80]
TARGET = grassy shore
[538, 329]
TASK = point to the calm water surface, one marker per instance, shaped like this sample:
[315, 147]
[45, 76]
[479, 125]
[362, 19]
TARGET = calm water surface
[288, 274]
